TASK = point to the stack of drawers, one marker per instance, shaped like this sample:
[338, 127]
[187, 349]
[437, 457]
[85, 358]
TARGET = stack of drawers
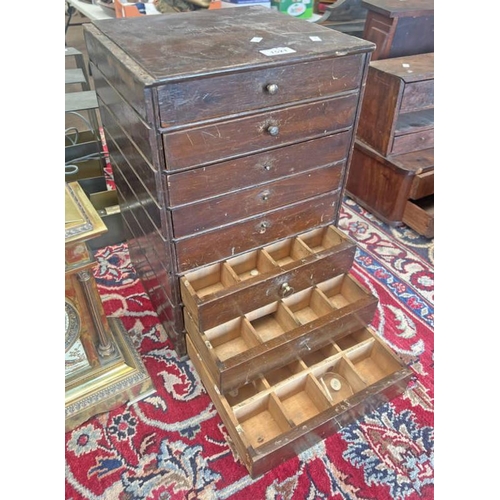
[230, 133]
[392, 169]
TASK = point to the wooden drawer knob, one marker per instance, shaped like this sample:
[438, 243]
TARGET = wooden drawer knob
[265, 196]
[262, 227]
[272, 88]
[286, 290]
[273, 130]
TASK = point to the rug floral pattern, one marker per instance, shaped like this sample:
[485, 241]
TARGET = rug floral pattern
[173, 444]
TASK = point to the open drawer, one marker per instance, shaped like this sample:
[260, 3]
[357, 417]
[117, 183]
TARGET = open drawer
[286, 411]
[419, 215]
[219, 292]
[267, 338]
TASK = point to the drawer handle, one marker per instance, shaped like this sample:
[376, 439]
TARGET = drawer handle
[286, 290]
[273, 130]
[262, 228]
[265, 195]
[272, 88]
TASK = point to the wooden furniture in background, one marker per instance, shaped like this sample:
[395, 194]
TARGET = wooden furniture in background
[399, 28]
[392, 170]
[230, 169]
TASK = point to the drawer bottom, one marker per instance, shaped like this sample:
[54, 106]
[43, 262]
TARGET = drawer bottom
[288, 410]
[419, 215]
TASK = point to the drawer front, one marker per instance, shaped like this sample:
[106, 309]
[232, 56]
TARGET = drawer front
[228, 241]
[213, 143]
[272, 336]
[422, 185]
[419, 215]
[198, 184]
[242, 204]
[417, 96]
[220, 292]
[285, 412]
[413, 142]
[214, 97]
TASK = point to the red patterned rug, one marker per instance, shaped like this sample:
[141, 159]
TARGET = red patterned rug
[173, 445]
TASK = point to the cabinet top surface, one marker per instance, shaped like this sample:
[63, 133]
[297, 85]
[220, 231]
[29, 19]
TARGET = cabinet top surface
[207, 41]
[401, 8]
[408, 68]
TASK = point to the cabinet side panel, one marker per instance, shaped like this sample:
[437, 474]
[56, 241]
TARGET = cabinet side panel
[124, 74]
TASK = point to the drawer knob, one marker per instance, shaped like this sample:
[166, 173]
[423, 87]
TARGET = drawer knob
[265, 195]
[272, 88]
[286, 290]
[267, 167]
[273, 130]
[263, 227]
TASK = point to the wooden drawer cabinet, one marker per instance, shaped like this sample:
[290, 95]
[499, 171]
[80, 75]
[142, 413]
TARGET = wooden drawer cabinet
[230, 167]
[397, 115]
[392, 167]
[399, 28]
[221, 152]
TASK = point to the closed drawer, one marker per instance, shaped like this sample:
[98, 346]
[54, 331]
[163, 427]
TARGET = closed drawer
[407, 143]
[422, 185]
[273, 335]
[248, 234]
[206, 182]
[419, 215]
[252, 201]
[288, 410]
[230, 139]
[201, 99]
[219, 292]
[417, 96]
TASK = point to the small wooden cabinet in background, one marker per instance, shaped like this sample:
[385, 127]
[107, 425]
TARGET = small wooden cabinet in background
[399, 28]
[392, 169]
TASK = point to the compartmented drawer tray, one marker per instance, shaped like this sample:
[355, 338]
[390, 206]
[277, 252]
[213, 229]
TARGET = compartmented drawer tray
[267, 338]
[217, 293]
[288, 410]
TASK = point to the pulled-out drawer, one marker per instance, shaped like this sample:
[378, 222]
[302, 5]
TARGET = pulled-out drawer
[419, 215]
[288, 410]
[269, 337]
[219, 292]
[422, 185]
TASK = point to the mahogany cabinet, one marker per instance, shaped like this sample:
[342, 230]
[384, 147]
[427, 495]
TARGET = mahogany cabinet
[399, 28]
[227, 130]
[392, 168]
[230, 133]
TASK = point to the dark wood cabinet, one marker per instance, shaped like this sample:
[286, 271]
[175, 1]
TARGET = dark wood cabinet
[392, 168]
[399, 28]
[230, 133]
[227, 131]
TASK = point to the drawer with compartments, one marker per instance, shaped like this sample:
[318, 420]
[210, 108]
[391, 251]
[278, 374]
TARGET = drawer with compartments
[284, 411]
